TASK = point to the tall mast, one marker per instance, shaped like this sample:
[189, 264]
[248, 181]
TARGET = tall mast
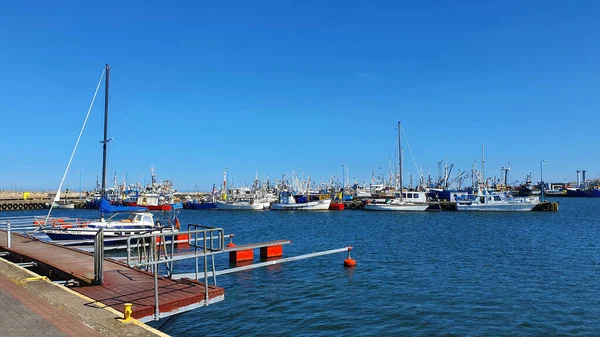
[483, 165]
[400, 159]
[105, 141]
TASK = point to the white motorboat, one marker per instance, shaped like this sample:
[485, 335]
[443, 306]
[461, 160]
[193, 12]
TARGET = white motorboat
[409, 201]
[114, 229]
[496, 202]
[63, 204]
[301, 202]
[242, 205]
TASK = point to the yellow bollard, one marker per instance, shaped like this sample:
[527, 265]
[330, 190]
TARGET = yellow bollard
[127, 312]
[35, 278]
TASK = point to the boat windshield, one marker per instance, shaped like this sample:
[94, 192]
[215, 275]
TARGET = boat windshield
[135, 217]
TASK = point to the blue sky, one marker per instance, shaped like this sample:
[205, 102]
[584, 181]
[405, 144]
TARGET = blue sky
[282, 86]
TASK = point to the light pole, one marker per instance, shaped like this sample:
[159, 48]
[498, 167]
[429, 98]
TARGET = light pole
[542, 176]
[188, 177]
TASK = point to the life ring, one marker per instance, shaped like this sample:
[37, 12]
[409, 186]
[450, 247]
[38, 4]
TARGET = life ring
[177, 224]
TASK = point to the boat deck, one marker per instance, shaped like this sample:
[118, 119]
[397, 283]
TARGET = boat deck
[122, 284]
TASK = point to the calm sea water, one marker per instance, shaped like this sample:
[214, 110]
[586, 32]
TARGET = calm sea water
[445, 273]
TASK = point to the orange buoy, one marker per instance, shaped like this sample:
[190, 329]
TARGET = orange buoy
[349, 262]
[231, 244]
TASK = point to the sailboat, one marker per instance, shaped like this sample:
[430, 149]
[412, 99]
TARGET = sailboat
[115, 229]
[403, 200]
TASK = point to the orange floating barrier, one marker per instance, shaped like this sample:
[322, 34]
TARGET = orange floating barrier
[271, 251]
[241, 255]
[181, 237]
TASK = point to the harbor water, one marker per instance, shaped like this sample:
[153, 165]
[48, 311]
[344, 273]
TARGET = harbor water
[417, 274]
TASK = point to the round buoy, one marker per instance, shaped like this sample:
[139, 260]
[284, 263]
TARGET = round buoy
[349, 262]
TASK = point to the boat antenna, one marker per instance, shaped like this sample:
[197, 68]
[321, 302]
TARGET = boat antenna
[105, 140]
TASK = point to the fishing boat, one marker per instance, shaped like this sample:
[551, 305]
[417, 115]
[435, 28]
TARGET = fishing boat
[241, 199]
[242, 205]
[496, 202]
[405, 201]
[63, 204]
[200, 204]
[301, 202]
[157, 196]
[336, 206]
[592, 192]
[402, 200]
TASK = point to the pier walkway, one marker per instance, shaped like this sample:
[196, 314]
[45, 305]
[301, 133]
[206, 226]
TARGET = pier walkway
[122, 284]
[30, 306]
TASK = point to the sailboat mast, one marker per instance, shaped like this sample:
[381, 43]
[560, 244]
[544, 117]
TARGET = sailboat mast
[105, 141]
[400, 159]
[483, 165]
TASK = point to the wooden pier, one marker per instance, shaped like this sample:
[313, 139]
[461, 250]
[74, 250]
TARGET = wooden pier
[122, 284]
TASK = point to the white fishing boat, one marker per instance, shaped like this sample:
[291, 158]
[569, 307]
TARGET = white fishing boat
[496, 202]
[409, 201]
[301, 202]
[241, 198]
[242, 205]
[63, 204]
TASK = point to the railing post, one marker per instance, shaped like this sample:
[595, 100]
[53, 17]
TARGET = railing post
[8, 233]
[205, 270]
[99, 257]
[155, 259]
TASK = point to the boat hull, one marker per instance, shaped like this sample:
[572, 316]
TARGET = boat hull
[110, 237]
[517, 207]
[241, 206]
[319, 205]
[203, 205]
[336, 206]
[167, 207]
[396, 207]
[579, 193]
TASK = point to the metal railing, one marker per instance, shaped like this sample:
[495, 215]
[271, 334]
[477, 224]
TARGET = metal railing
[154, 250]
